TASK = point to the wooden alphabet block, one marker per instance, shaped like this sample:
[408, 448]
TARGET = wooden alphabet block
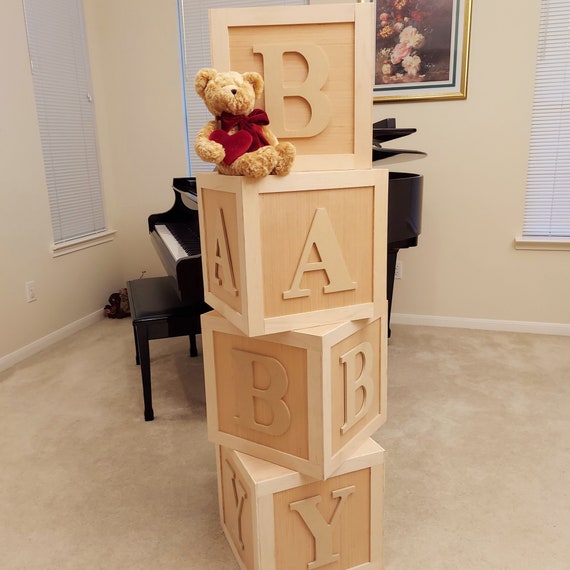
[295, 251]
[317, 63]
[303, 399]
[277, 519]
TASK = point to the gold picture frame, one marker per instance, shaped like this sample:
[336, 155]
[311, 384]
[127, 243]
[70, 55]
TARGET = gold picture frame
[422, 49]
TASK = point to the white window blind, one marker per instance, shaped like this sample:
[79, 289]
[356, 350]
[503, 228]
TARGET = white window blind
[61, 78]
[194, 29]
[547, 206]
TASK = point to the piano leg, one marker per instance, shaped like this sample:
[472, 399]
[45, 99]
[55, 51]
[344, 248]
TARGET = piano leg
[193, 345]
[143, 359]
[391, 270]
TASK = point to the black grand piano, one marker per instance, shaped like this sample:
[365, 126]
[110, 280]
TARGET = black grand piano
[176, 237]
[405, 193]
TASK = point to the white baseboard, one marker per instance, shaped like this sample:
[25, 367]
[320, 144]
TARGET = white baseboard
[46, 341]
[559, 329]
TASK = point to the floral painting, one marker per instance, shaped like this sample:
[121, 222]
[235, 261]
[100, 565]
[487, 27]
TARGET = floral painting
[421, 48]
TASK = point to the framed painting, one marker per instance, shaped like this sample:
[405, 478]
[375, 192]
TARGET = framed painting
[422, 49]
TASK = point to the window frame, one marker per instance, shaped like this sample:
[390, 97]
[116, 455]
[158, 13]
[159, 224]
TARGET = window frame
[547, 200]
[61, 76]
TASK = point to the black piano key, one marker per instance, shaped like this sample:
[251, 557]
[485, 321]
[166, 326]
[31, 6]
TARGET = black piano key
[186, 236]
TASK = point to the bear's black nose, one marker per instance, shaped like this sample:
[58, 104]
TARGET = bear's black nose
[234, 91]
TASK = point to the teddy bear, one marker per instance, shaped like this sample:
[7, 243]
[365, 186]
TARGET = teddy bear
[239, 140]
[118, 307]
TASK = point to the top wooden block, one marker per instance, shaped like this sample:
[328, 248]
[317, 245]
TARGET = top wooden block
[318, 66]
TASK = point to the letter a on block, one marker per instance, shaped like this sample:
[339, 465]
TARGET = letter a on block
[353, 383]
[247, 364]
[310, 90]
[223, 270]
[320, 529]
[323, 239]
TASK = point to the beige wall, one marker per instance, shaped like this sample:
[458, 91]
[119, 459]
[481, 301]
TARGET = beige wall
[71, 287]
[136, 74]
[136, 69]
[465, 265]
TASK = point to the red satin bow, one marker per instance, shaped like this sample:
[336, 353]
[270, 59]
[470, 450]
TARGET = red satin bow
[251, 123]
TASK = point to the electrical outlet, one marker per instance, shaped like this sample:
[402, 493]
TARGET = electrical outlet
[31, 291]
[399, 271]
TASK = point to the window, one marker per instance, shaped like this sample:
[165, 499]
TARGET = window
[61, 78]
[194, 31]
[547, 206]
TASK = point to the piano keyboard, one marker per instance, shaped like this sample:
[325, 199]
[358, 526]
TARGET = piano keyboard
[180, 239]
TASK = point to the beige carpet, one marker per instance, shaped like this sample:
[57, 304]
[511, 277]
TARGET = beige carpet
[478, 456]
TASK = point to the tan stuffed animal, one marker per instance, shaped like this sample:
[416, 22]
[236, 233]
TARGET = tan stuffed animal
[239, 140]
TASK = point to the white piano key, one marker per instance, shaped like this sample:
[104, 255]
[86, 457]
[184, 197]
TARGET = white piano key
[170, 241]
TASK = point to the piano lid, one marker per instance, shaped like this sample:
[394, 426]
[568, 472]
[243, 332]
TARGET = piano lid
[386, 130]
[184, 184]
[383, 156]
[186, 187]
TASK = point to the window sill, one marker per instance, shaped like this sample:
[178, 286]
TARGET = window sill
[70, 246]
[545, 243]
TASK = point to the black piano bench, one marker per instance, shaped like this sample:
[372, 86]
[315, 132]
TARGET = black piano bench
[157, 312]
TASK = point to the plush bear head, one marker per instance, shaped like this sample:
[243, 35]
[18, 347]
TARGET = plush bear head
[228, 91]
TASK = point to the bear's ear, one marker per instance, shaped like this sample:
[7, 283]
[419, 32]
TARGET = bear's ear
[202, 78]
[256, 81]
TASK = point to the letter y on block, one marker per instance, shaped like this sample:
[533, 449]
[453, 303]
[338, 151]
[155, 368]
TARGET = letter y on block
[320, 529]
[239, 495]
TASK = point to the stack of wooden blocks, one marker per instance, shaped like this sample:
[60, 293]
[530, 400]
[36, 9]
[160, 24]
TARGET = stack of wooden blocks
[295, 269]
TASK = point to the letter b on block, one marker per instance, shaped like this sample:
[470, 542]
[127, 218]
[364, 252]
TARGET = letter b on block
[310, 90]
[249, 368]
[355, 381]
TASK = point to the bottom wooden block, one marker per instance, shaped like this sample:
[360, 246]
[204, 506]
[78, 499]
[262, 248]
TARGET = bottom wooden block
[278, 519]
